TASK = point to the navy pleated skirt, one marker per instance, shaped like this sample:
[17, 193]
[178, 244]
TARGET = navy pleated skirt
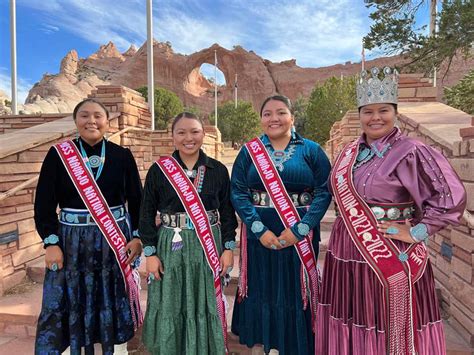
[86, 301]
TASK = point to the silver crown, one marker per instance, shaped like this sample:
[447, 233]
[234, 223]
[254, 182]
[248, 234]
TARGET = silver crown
[372, 90]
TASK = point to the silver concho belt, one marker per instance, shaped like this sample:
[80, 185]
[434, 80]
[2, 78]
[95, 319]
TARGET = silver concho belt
[182, 220]
[261, 198]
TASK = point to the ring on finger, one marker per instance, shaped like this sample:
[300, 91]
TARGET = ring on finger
[282, 242]
[273, 246]
[54, 267]
[392, 230]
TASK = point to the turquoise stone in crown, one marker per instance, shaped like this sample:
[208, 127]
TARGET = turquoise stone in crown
[377, 87]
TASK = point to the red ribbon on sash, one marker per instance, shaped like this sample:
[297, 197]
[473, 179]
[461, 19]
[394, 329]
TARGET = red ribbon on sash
[197, 213]
[397, 271]
[289, 216]
[97, 206]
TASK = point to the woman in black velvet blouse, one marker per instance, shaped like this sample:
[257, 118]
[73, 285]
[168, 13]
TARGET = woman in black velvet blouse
[84, 295]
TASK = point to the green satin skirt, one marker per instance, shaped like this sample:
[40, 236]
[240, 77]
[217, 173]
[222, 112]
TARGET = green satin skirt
[181, 315]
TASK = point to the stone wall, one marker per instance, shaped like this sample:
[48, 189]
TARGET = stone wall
[12, 123]
[415, 88]
[452, 249]
[19, 242]
[22, 153]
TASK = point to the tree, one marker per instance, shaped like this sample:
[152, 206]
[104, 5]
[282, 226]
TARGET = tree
[327, 104]
[395, 32]
[193, 109]
[461, 95]
[299, 111]
[167, 105]
[236, 124]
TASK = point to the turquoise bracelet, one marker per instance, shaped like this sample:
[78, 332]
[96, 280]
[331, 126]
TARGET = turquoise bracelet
[419, 232]
[149, 250]
[52, 239]
[230, 245]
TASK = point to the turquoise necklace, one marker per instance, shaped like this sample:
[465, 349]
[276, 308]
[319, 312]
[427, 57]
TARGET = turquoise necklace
[367, 154]
[94, 162]
[380, 153]
[198, 176]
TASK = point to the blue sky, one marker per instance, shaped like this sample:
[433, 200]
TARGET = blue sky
[315, 33]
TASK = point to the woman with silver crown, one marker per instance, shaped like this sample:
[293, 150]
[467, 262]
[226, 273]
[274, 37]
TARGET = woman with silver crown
[90, 294]
[392, 193]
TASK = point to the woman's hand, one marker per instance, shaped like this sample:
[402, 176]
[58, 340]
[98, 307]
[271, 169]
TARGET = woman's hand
[54, 255]
[133, 249]
[287, 238]
[269, 240]
[397, 231]
[226, 261]
[154, 267]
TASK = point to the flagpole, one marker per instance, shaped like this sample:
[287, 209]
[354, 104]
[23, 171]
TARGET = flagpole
[235, 90]
[149, 42]
[215, 86]
[363, 56]
[433, 11]
[13, 56]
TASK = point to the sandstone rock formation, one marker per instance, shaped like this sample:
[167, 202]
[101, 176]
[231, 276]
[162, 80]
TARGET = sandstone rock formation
[257, 77]
[3, 100]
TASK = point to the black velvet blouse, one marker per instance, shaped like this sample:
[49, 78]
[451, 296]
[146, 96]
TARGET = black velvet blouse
[119, 182]
[159, 195]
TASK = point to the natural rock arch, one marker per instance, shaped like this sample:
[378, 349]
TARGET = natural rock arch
[198, 85]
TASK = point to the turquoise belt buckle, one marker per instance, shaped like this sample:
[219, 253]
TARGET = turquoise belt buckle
[70, 218]
[117, 214]
[189, 223]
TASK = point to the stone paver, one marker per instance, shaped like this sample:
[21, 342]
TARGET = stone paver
[439, 121]
[19, 141]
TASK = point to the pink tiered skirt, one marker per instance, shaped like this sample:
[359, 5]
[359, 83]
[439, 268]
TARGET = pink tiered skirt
[351, 313]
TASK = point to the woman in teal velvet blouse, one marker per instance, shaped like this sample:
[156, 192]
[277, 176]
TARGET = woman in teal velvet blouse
[269, 310]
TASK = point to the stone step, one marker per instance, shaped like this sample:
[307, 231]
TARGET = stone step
[20, 309]
[19, 312]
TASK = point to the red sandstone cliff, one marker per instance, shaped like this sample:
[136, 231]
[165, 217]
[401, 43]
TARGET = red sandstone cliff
[257, 77]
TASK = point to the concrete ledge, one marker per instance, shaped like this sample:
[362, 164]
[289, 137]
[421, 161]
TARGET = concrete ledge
[15, 142]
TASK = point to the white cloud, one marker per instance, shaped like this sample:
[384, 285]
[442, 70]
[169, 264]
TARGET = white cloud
[315, 33]
[49, 29]
[23, 85]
